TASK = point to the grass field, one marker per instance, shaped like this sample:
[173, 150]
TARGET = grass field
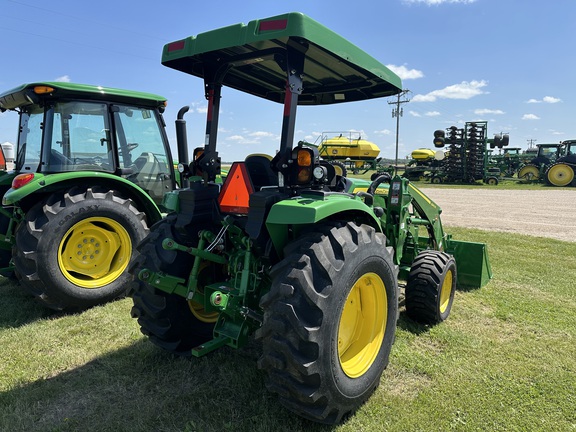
[505, 360]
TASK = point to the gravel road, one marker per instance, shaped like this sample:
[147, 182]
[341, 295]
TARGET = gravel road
[544, 213]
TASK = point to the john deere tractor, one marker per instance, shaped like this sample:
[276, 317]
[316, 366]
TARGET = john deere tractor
[286, 251]
[93, 165]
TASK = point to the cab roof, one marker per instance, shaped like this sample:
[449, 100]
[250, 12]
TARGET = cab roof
[26, 94]
[335, 70]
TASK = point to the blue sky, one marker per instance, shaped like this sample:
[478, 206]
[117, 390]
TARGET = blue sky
[502, 61]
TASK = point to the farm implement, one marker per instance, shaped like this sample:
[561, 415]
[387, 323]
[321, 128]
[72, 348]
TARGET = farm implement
[286, 250]
[466, 160]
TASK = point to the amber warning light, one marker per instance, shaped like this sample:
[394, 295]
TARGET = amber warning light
[21, 180]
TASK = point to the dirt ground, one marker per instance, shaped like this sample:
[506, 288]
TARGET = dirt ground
[545, 213]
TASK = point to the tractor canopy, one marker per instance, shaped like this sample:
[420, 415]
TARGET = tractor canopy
[238, 56]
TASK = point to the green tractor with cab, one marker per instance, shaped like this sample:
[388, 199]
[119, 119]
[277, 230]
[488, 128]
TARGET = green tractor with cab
[554, 164]
[92, 167]
[286, 251]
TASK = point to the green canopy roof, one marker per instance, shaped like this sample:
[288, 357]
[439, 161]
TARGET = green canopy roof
[334, 69]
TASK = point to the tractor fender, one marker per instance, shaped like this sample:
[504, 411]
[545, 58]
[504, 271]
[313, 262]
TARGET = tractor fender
[48, 183]
[308, 210]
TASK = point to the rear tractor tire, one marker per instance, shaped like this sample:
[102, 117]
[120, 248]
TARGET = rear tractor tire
[560, 174]
[430, 287]
[329, 321]
[529, 173]
[73, 249]
[170, 321]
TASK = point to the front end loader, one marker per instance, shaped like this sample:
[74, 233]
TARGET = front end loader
[286, 250]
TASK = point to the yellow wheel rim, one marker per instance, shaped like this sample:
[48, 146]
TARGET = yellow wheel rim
[560, 175]
[94, 252]
[529, 172]
[362, 325]
[199, 312]
[196, 308]
[446, 292]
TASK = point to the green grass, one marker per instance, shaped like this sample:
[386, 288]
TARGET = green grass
[505, 360]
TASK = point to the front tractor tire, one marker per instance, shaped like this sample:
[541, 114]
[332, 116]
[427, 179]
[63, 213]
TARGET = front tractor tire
[430, 287]
[73, 249]
[170, 321]
[329, 321]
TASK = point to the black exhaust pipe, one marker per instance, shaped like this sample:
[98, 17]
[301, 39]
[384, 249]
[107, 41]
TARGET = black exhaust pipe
[182, 144]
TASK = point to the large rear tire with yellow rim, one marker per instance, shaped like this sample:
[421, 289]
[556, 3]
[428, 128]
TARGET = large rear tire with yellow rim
[329, 321]
[170, 321]
[529, 172]
[560, 174]
[73, 248]
[430, 287]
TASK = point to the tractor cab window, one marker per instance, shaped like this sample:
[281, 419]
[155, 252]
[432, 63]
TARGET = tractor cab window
[80, 138]
[30, 139]
[549, 152]
[142, 151]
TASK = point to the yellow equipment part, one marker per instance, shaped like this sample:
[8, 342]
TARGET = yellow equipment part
[343, 147]
[423, 154]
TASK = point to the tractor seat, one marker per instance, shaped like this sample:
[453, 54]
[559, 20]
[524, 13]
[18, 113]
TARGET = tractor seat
[260, 170]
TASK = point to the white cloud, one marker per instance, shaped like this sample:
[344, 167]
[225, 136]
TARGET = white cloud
[485, 111]
[545, 99]
[464, 90]
[530, 117]
[437, 2]
[251, 137]
[404, 73]
[261, 134]
[383, 132]
[432, 114]
[63, 78]
[235, 138]
[414, 113]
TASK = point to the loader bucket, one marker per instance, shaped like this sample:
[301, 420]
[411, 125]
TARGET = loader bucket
[472, 263]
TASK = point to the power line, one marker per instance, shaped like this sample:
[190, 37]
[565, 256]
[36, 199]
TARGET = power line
[397, 113]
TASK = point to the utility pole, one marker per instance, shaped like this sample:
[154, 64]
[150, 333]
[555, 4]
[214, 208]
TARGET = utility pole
[397, 113]
[531, 142]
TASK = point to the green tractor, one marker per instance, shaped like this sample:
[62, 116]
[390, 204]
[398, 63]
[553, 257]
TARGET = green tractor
[92, 168]
[536, 168]
[554, 163]
[306, 261]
